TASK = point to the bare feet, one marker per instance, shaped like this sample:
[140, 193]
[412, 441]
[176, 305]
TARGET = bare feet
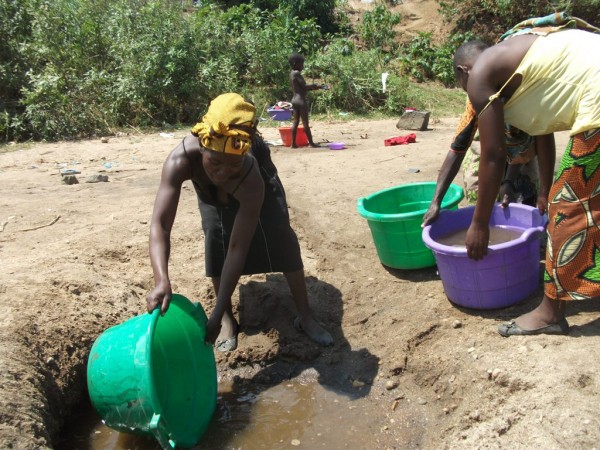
[313, 330]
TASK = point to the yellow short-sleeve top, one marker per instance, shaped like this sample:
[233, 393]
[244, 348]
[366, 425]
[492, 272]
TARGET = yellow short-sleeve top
[560, 88]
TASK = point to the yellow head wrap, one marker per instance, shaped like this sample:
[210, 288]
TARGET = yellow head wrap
[228, 125]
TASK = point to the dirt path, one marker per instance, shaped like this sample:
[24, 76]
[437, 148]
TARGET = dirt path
[74, 261]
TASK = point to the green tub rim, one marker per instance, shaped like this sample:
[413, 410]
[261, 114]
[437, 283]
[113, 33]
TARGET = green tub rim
[453, 197]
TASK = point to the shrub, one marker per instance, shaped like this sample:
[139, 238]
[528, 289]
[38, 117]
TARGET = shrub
[377, 29]
[422, 60]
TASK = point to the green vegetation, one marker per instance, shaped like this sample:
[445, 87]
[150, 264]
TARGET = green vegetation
[77, 68]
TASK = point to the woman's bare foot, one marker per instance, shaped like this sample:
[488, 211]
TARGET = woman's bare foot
[313, 330]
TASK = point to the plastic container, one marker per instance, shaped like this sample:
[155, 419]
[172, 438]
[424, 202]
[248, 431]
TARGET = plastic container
[286, 136]
[336, 145]
[506, 275]
[395, 215]
[153, 375]
[280, 114]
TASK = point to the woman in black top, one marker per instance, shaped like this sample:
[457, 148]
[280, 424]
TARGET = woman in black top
[244, 216]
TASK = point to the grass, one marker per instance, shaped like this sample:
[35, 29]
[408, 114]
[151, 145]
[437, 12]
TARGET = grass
[441, 101]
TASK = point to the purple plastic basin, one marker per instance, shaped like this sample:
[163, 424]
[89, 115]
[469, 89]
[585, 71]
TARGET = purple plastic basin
[506, 275]
[336, 145]
[280, 114]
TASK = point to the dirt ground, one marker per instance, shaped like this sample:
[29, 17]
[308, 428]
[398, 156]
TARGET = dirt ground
[75, 261]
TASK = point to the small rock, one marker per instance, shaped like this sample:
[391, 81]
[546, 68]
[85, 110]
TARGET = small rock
[70, 179]
[295, 442]
[421, 401]
[97, 178]
[357, 383]
[456, 324]
[474, 416]
[471, 349]
[391, 384]
[104, 140]
[496, 373]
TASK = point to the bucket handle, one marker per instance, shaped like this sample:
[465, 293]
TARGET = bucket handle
[158, 428]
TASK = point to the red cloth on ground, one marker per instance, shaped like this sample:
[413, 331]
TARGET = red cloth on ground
[401, 140]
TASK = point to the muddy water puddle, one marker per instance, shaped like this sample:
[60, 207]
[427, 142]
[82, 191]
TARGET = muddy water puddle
[288, 415]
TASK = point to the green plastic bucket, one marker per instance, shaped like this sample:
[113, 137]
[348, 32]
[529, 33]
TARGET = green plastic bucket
[395, 215]
[154, 375]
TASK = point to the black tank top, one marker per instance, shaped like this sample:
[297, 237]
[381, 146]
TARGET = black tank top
[209, 193]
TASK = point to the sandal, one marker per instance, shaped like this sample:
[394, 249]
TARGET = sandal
[229, 344]
[512, 329]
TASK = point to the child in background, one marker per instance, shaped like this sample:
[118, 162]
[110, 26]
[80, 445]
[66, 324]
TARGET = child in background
[299, 101]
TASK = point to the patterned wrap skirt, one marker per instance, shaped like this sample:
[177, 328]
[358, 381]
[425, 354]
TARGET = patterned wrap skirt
[573, 251]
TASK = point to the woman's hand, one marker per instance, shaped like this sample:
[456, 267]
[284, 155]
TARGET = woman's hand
[478, 237]
[431, 215]
[542, 204]
[160, 296]
[507, 193]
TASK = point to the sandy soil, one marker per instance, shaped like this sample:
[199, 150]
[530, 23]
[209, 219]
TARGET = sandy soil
[74, 262]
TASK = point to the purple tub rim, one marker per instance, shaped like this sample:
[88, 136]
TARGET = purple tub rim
[527, 235]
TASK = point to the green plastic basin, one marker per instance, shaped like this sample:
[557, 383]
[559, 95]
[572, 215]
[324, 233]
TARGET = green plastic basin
[395, 215]
[154, 375]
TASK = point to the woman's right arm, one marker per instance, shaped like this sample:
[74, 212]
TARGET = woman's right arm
[173, 175]
[463, 138]
[447, 174]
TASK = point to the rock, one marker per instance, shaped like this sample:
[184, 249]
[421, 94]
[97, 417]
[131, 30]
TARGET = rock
[475, 416]
[104, 140]
[414, 120]
[391, 384]
[357, 383]
[70, 179]
[97, 178]
[457, 324]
